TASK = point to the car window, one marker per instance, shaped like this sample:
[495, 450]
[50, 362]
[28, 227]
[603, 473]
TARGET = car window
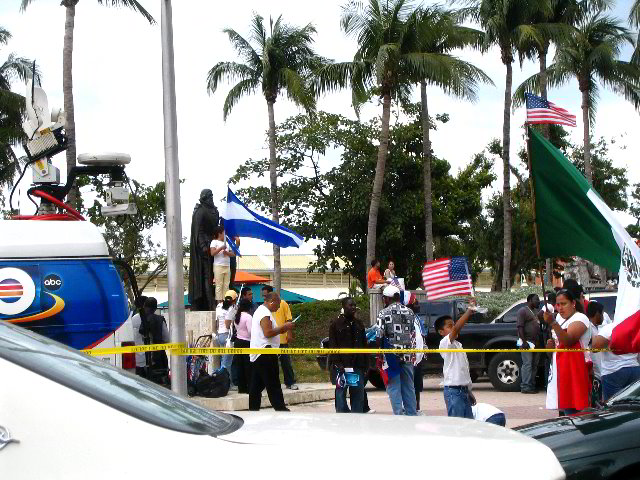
[110, 385]
[476, 317]
[631, 393]
[433, 310]
[609, 304]
[512, 314]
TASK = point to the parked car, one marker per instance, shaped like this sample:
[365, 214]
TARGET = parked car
[65, 415]
[597, 444]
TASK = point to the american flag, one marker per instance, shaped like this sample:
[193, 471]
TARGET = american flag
[540, 110]
[447, 276]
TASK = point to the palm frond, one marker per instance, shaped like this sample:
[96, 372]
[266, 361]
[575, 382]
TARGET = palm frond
[297, 89]
[243, 47]
[24, 4]
[229, 71]
[240, 89]
[131, 4]
[258, 33]
[556, 77]
[17, 67]
[5, 35]
[634, 14]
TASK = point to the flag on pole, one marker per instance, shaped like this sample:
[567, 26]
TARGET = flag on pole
[239, 221]
[574, 221]
[447, 276]
[540, 110]
[234, 248]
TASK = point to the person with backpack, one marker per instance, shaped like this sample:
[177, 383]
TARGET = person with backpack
[154, 330]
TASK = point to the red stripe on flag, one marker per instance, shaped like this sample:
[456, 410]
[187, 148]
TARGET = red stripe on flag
[625, 337]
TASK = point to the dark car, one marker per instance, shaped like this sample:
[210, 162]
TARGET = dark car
[597, 444]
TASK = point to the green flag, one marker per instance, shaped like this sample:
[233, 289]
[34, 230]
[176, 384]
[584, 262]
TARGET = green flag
[572, 218]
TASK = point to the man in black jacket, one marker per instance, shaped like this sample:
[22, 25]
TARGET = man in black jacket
[347, 331]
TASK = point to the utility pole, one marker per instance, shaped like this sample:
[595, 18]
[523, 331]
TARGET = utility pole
[175, 270]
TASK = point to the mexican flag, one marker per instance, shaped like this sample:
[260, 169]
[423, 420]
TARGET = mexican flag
[574, 221]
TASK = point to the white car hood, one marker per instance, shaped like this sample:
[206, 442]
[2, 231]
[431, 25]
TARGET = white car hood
[386, 445]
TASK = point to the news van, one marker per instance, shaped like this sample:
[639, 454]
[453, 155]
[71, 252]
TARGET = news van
[57, 279]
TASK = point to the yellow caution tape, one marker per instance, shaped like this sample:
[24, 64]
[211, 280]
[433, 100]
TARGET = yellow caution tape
[338, 351]
[133, 349]
[180, 349]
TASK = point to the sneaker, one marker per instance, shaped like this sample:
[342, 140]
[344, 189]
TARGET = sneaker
[293, 387]
[371, 410]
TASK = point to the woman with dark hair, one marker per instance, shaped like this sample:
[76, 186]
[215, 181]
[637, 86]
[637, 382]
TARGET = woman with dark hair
[569, 385]
[242, 326]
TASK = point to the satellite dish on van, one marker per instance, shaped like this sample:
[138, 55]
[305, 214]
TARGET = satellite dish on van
[103, 159]
[37, 108]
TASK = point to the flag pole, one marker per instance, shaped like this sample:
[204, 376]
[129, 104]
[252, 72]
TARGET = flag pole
[535, 222]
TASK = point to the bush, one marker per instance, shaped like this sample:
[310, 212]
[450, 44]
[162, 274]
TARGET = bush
[497, 302]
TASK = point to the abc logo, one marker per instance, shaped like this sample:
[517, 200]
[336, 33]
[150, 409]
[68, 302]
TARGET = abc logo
[52, 282]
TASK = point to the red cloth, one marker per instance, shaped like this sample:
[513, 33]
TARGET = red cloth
[573, 379]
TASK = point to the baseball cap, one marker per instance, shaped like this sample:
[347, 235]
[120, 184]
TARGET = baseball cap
[232, 294]
[390, 291]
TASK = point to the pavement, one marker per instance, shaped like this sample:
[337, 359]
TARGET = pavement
[519, 408]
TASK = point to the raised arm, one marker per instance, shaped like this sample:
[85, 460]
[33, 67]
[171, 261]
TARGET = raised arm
[455, 331]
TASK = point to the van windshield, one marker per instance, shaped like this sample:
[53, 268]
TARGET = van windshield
[110, 385]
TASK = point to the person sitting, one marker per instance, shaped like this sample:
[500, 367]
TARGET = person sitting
[374, 278]
[347, 331]
[390, 272]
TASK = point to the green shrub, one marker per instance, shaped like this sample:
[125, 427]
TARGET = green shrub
[496, 302]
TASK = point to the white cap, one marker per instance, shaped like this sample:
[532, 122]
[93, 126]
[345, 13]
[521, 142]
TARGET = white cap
[390, 291]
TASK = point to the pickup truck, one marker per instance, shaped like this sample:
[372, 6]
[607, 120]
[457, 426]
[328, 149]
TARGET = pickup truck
[503, 369]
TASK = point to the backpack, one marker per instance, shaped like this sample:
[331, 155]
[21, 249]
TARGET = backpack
[214, 385]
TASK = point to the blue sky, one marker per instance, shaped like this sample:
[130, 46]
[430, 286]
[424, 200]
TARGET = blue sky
[118, 90]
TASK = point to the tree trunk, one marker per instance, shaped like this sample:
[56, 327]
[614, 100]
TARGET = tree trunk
[426, 158]
[587, 143]
[542, 58]
[376, 193]
[67, 90]
[506, 172]
[273, 177]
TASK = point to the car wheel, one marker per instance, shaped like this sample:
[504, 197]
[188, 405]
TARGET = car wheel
[504, 372]
[375, 379]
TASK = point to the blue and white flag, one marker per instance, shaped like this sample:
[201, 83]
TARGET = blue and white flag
[233, 246]
[239, 221]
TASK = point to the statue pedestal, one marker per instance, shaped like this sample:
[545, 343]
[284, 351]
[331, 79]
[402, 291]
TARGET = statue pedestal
[203, 323]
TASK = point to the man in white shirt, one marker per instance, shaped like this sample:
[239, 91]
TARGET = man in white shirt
[221, 263]
[265, 333]
[457, 379]
[617, 371]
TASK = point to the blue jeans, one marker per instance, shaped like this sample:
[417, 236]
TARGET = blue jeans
[226, 360]
[497, 419]
[616, 381]
[356, 393]
[529, 370]
[401, 391]
[458, 402]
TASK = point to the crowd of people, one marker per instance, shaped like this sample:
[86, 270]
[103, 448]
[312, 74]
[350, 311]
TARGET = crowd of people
[573, 380]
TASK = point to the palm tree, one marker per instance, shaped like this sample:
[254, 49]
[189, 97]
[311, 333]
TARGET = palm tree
[67, 75]
[506, 24]
[387, 63]
[11, 111]
[634, 21]
[590, 54]
[438, 34]
[279, 61]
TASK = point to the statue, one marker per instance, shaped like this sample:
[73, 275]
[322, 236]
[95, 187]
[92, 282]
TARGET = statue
[205, 218]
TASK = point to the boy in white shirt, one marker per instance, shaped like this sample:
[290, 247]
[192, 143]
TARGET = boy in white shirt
[221, 263]
[457, 379]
